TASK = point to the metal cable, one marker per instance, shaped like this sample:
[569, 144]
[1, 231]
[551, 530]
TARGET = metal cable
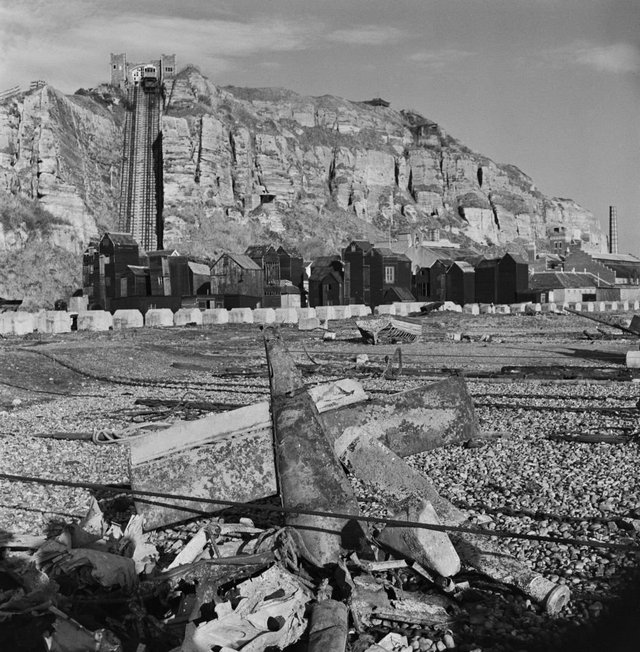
[313, 512]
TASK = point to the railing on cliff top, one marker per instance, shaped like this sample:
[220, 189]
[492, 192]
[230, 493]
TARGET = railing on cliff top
[16, 90]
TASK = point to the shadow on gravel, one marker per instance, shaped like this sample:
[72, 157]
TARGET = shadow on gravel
[618, 630]
[602, 356]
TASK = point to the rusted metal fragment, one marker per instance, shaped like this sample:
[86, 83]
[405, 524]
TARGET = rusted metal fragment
[226, 456]
[482, 554]
[375, 464]
[329, 627]
[374, 599]
[418, 420]
[427, 547]
[309, 474]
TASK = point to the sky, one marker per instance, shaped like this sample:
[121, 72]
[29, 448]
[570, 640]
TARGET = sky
[551, 86]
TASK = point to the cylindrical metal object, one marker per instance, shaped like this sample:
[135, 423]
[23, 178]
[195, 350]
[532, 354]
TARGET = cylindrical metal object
[329, 627]
[309, 474]
[483, 555]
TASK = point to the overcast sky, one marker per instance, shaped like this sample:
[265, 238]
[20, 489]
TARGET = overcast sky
[552, 86]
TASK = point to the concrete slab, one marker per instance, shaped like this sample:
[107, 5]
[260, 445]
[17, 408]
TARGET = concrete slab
[186, 316]
[342, 312]
[401, 307]
[264, 316]
[325, 312]
[158, 318]
[21, 322]
[359, 310]
[215, 316]
[127, 319]
[95, 320]
[241, 316]
[304, 313]
[286, 316]
[53, 322]
[308, 323]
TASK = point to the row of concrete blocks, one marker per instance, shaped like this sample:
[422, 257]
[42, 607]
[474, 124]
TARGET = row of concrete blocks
[53, 321]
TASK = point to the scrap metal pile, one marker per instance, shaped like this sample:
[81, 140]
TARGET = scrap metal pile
[319, 576]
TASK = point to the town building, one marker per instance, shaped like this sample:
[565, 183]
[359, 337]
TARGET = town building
[327, 282]
[371, 271]
[237, 281]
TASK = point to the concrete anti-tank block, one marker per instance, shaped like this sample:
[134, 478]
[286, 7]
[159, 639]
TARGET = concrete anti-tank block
[342, 312]
[158, 317]
[186, 316]
[600, 306]
[53, 322]
[471, 309]
[22, 323]
[264, 316]
[549, 307]
[589, 306]
[215, 316]
[623, 305]
[503, 309]
[384, 310]
[451, 307]
[286, 316]
[611, 306]
[325, 312]
[359, 310]
[487, 309]
[95, 320]
[517, 308]
[401, 308]
[241, 316]
[127, 319]
[6, 323]
[308, 323]
[305, 313]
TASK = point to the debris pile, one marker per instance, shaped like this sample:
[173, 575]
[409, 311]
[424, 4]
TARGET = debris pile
[321, 577]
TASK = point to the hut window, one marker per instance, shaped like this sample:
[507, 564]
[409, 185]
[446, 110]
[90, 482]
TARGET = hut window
[389, 274]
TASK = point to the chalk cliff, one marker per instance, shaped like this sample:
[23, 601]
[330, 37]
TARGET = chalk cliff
[249, 164]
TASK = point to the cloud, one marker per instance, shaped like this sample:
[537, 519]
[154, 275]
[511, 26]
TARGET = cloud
[618, 58]
[366, 35]
[72, 47]
[438, 59]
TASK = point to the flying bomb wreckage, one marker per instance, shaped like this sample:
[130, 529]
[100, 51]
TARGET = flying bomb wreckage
[317, 580]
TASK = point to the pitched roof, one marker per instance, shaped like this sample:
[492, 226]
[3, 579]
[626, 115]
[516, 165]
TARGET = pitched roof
[163, 252]
[139, 270]
[564, 280]
[464, 266]
[242, 261]
[199, 268]
[403, 294]
[258, 251]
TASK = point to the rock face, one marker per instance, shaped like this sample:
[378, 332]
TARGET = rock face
[65, 152]
[243, 164]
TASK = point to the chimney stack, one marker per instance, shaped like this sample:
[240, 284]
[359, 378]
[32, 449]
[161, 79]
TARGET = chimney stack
[613, 230]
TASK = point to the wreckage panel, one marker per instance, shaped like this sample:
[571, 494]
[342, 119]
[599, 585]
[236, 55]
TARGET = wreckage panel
[240, 468]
